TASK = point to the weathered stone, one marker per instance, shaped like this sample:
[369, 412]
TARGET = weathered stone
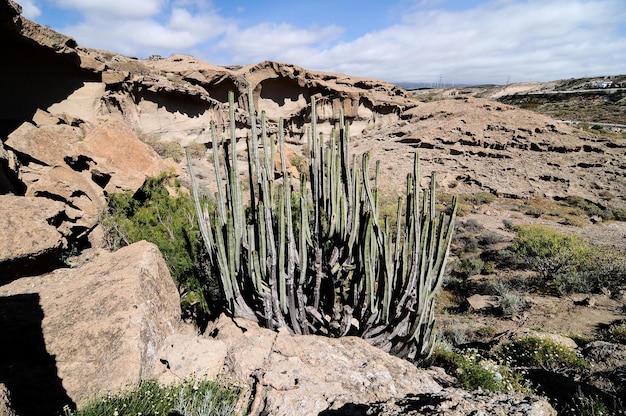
[452, 402]
[29, 241]
[77, 191]
[6, 185]
[5, 402]
[114, 77]
[47, 145]
[483, 302]
[118, 157]
[308, 374]
[184, 356]
[605, 356]
[104, 322]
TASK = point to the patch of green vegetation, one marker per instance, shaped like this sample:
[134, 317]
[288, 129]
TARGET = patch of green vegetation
[550, 252]
[190, 398]
[474, 372]
[512, 300]
[568, 262]
[616, 332]
[468, 202]
[163, 213]
[538, 352]
[468, 266]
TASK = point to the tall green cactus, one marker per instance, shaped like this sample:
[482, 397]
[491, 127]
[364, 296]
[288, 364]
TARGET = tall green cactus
[331, 265]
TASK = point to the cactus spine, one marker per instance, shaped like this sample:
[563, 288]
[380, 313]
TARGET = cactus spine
[331, 265]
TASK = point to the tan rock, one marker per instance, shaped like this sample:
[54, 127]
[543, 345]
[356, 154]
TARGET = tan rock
[114, 77]
[6, 186]
[105, 321]
[28, 234]
[75, 189]
[5, 402]
[183, 356]
[479, 302]
[48, 144]
[119, 157]
[306, 375]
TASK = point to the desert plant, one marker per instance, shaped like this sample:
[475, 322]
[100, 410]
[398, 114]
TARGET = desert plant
[615, 332]
[468, 266]
[475, 372]
[534, 351]
[548, 251]
[162, 213]
[511, 299]
[331, 266]
[568, 261]
[189, 398]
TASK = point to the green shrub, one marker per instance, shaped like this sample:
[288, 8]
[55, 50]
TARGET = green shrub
[537, 352]
[511, 300]
[167, 149]
[473, 372]
[549, 252]
[468, 267]
[616, 332]
[191, 398]
[569, 262]
[163, 213]
[490, 239]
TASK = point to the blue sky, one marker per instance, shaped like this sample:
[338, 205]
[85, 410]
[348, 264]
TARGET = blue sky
[473, 41]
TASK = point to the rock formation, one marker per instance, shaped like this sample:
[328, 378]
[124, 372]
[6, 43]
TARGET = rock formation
[74, 334]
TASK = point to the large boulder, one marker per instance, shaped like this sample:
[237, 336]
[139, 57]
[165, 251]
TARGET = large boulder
[84, 199]
[29, 241]
[310, 375]
[47, 145]
[305, 375]
[103, 324]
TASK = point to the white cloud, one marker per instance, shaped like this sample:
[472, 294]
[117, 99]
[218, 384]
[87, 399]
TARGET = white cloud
[30, 9]
[530, 40]
[116, 8]
[145, 31]
[272, 41]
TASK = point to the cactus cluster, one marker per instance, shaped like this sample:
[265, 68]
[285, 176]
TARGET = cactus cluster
[321, 260]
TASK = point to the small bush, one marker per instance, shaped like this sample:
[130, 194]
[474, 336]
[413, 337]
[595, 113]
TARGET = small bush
[490, 239]
[569, 262]
[511, 300]
[616, 332]
[473, 372]
[508, 224]
[550, 252]
[167, 149]
[542, 352]
[196, 150]
[191, 398]
[468, 267]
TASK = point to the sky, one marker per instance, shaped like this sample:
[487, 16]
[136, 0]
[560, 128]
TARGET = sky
[430, 41]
